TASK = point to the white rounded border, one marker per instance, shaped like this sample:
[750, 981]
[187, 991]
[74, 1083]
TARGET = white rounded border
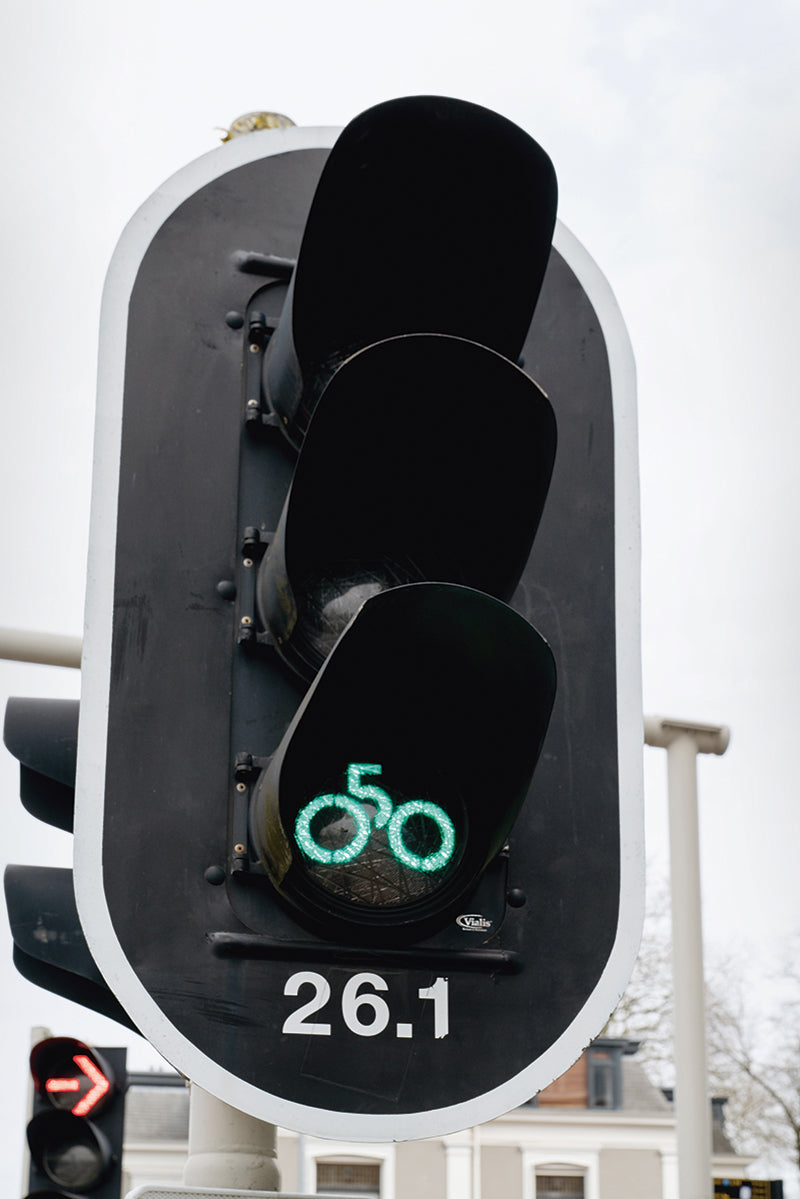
[96, 673]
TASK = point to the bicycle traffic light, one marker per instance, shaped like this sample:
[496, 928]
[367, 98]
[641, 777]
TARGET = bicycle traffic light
[386, 850]
[357, 792]
[387, 400]
[76, 1130]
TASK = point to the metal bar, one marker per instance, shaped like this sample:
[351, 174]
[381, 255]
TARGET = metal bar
[49, 649]
[155, 1078]
[253, 945]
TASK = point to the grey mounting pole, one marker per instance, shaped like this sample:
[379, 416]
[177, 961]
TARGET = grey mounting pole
[50, 649]
[683, 741]
[229, 1149]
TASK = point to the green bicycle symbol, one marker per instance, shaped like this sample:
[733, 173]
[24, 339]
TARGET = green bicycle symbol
[387, 816]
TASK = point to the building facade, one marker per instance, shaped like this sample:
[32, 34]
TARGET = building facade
[601, 1131]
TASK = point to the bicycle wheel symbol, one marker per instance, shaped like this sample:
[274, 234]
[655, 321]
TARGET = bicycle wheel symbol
[386, 815]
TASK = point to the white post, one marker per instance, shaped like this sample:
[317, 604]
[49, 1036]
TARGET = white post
[458, 1170]
[229, 1149]
[669, 1175]
[302, 1165]
[683, 741]
[476, 1162]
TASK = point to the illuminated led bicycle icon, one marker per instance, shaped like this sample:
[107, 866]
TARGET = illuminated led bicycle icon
[387, 816]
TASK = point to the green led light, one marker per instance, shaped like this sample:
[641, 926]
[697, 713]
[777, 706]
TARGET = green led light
[386, 815]
[369, 791]
[431, 861]
[318, 853]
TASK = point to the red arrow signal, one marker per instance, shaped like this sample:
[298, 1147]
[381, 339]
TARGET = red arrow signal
[100, 1085]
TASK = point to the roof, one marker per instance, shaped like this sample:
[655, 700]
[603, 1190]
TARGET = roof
[157, 1113]
[639, 1094]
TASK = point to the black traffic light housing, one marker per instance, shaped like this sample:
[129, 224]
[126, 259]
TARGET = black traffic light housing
[428, 458]
[50, 948]
[395, 796]
[43, 735]
[75, 1134]
[401, 775]
[425, 457]
[432, 215]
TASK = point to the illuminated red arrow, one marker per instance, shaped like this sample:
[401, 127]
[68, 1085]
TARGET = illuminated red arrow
[100, 1084]
[56, 1085]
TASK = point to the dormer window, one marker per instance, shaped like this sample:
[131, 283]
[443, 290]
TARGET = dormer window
[605, 1075]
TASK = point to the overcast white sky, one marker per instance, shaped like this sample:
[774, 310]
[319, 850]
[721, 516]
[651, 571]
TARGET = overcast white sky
[674, 133]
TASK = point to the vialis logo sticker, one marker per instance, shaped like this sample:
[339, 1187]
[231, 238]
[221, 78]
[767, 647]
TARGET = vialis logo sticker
[473, 923]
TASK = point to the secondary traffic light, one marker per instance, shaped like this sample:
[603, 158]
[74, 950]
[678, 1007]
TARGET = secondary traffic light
[76, 1130]
[357, 815]
[49, 945]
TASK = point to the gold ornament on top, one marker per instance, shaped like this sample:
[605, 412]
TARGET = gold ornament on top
[252, 122]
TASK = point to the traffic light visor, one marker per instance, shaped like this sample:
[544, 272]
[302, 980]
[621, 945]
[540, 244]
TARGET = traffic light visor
[431, 215]
[429, 458]
[70, 1151]
[72, 1076]
[408, 761]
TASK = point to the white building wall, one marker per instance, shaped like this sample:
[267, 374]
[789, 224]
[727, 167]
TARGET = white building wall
[152, 1162]
[545, 1139]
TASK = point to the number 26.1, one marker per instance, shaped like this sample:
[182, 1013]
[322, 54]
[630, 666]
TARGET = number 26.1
[364, 1010]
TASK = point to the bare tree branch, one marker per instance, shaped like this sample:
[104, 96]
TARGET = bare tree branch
[754, 1055]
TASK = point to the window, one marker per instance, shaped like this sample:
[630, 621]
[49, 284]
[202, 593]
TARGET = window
[349, 1177]
[573, 1177]
[559, 1186]
[605, 1076]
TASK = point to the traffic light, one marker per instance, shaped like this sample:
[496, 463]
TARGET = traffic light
[374, 571]
[358, 799]
[75, 1133]
[387, 849]
[49, 945]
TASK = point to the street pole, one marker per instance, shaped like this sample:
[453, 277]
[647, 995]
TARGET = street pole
[49, 649]
[683, 741]
[228, 1148]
